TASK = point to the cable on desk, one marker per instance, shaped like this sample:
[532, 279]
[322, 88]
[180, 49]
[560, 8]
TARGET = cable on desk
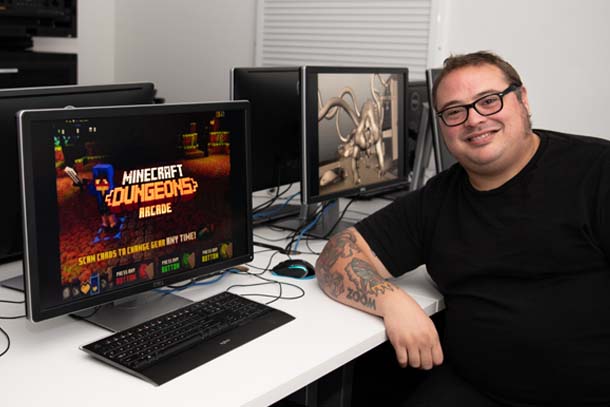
[309, 223]
[311, 251]
[204, 280]
[8, 338]
[264, 214]
[268, 281]
[271, 201]
[14, 317]
[85, 317]
[266, 268]
[13, 302]
[330, 231]
[272, 247]
[8, 342]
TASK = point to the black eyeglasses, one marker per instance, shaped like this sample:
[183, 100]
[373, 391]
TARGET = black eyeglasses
[485, 106]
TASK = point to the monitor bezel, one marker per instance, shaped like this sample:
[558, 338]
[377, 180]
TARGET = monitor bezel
[35, 311]
[309, 139]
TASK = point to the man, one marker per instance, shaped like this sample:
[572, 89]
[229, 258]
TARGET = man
[517, 238]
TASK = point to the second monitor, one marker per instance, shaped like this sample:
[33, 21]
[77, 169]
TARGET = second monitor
[274, 97]
[354, 135]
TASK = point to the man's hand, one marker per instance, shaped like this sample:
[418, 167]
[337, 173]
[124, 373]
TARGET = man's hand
[412, 334]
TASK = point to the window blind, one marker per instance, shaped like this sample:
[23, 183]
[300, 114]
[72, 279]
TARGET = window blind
[345, 33]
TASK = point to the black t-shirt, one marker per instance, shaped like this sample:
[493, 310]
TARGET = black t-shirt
[524, 269]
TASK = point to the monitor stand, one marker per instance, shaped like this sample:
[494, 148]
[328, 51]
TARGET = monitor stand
[326, 225]
[14, 283]
[14, 267]
[129, 312]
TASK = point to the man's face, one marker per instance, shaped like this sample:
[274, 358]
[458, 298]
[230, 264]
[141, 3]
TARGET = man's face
[486, 144]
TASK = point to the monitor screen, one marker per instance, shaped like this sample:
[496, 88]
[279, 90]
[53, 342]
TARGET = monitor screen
[13, 100]
[275, 104]
[442, 157]
[354, 132]
[121, 200]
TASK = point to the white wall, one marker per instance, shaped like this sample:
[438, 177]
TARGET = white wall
[186, 47]
[94, 44]
[559, 47]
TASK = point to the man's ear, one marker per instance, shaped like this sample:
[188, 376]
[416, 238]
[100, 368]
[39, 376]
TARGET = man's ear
[525, 100]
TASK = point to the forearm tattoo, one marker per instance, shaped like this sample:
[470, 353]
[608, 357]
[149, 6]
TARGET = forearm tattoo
[342, 245]
[368, 283]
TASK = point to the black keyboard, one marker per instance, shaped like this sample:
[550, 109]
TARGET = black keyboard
[167, 346]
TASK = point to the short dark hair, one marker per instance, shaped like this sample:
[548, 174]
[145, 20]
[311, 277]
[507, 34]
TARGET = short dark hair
[455, 62]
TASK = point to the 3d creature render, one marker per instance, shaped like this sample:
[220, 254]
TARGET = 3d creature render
[366, 136]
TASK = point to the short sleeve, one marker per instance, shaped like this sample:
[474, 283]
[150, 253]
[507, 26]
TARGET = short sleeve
[603, 205]
[394, 233]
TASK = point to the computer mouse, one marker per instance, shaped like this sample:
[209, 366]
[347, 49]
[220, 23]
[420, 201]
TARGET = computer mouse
[294, 268]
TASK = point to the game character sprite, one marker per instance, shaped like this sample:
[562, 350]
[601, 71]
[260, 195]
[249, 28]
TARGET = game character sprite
[103, 183]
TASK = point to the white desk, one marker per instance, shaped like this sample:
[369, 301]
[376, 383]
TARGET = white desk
[44, 365]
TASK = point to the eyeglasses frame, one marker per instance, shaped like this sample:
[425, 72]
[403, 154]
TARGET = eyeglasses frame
[513, 87]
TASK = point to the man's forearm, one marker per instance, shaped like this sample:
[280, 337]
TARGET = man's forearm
[346, 273]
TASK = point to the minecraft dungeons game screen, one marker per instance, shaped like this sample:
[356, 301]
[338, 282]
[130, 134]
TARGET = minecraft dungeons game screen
[140, 198]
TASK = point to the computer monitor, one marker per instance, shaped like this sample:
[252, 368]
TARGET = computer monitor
[145, 196]
[13, 100]
[418, 134]
[442, 157]
[354, 131]
[275, 103]
[417, 97]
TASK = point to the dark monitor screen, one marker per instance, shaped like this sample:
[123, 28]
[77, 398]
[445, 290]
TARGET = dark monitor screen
[120, 200]
[13, 100]
[442, 157]
[275, 104]
[354, 132]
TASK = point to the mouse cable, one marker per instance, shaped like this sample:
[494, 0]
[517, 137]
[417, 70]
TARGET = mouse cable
[311, 250]
[268, 281]
[265, 269]
[281, 283]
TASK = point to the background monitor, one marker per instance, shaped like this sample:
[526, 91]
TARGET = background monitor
[146, 196]
[442, 157]
[13, 100]
[354, 131]
[417, 96]
[275, 104]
